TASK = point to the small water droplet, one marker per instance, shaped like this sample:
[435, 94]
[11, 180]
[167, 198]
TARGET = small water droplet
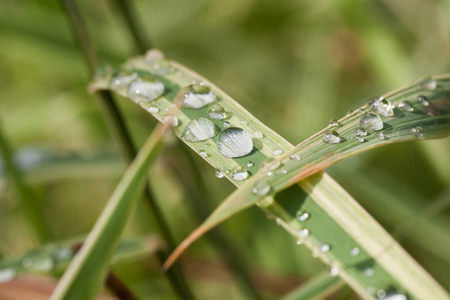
[354, 251]
[371, 122]
[199, 95]
[200, 129]
[203, 153]
[234, 142]
[423, 100]
[369, 271]
[239, 174]
[381, 294]
[284, 171]
[359, 139]
[425, 82]
[153, 109]
[250, 164]
[324, 248]
[391, 296]
[122, 80]
[360, 132]
[333, 122]
[170, 120]
[302, 216]
[156, 62]
[334, 271]
[219, 173]
[7, 274]
[217, 112]
[261, 188]
[380, 136]
[226, 124]
[331, 137]
[381, 106]
[270, 173]
[277, 152]
[417, 131]
[145, 89]
[303, 233]
[294, 157]
[405, 105]
[258, 135]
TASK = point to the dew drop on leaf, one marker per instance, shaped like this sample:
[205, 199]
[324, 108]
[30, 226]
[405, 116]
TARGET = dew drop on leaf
[153, 109]
[217, 112]
[425, 82]
[359, 139]
[122, 80]
[354, 251]
[423, 100]
[405, 105]
[294, 157]
[145, 90]
[226, 124]
[302, 216]
[380, 136]
[369, 272]
[170, 120]
[258, 135]
[277, 152]
[239, 174]
[360, 132]
[417, 131]
[324, 248]
[261, 188]
[371, 122]
[250, 164]
[331, 137]
[333, 122]
[234, 142]
[381, 106]
[219, 173]
[200, 129]
[199, 95]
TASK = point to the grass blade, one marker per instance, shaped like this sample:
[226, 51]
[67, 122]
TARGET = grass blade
[83, 278]
[338, 220]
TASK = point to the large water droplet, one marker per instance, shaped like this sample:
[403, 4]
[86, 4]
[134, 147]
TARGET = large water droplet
[217, 112]
[145, 90]
[122, 80]
[331, 137]
[381, 106]
[199, 96]
[426, 82]
[234, 142]
[200, 129]
[423, 100]
[261, 188]
[405, 105]
[371, 122]
[417, 131]
[239, 174]
[7, 274]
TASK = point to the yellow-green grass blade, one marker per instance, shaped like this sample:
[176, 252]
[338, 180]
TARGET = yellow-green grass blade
[83, 278]
[318, 287]
[54, 258]
[379, 266]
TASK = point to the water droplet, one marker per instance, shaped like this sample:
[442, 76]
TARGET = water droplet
[381, 106]
[423, 100]
[261, 188]
[217, 112]
[359, 139]
[270, 164]
[405, 105]
[381, 294]
[278, 221]
[354, 251]
[333, 122]
[239, 174]
[199, 96]
[303, 233]
[380, 136]
[324, 248]
[334, 271]
[417, 131]
[425, 82]
[7, 274]
[258, 135]
[250, 164]
[122, 80]
[277, 152]
[371, 122]
[360, 132]
[284, 171]
[391, 296]
[145, 89]
[331, 137]
[226, 124]
[302, 216]
[294, 157]
[156, 62]
[170, 120]
[203, 153]
[200, 129]
[219, 173]
[234, 142]
[153, 109]
[369, 272]
[270, 173]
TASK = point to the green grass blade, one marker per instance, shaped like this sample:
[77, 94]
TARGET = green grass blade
[83, 278]
[336, 219]
[318, 287]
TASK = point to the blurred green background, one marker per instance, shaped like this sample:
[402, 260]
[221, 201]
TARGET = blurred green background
[293, 64]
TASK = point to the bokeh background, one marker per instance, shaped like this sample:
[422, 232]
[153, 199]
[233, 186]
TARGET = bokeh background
[293, 64]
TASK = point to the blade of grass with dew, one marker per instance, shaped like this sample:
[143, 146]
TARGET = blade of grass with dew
[318, 287]
[54, 258]
[83, 278]
[361, 257]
